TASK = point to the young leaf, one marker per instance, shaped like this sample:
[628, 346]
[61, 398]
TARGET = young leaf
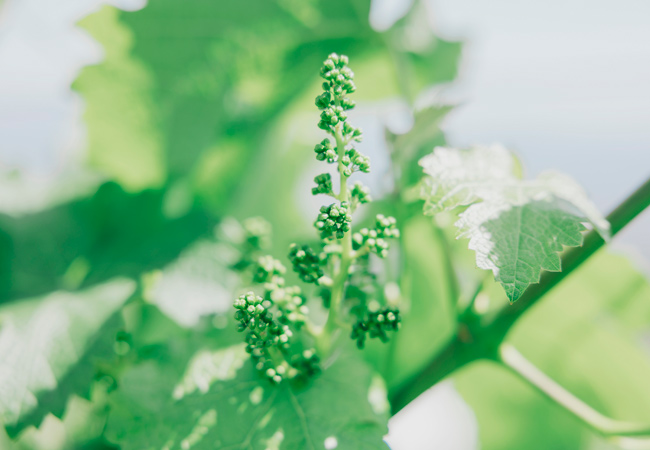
[220, 401]
[50, 346]
[516, 227]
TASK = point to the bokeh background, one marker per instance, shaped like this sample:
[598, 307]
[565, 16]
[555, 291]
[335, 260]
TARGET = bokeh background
[88, 96]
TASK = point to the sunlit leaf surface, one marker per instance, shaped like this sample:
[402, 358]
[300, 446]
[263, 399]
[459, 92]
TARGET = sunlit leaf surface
[50, 347]
[218, 400]
[516, 227]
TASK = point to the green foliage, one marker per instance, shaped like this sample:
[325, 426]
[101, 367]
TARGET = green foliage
[52, 348]
[90, 240]
[216, 401]
[199, 111]
[279, 345]
[516, 227]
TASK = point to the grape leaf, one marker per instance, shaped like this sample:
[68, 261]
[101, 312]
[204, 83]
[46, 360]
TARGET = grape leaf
[91, 240]
[202, 277]
[219, 401]
[191, 89]
[50, 346]
[516, 227]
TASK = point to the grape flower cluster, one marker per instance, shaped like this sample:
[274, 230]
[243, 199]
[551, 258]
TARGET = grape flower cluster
[280, 335]
[376, 325]
[334, 220]
[374, 239]
[306, 263]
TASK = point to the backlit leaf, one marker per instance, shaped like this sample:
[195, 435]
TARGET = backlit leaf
[516, 227]
[218, 400]
[50, 347]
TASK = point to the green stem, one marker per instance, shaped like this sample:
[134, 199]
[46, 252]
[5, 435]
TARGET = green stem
[453, 356]
[482, 340]
[338, 286]
[527, 371]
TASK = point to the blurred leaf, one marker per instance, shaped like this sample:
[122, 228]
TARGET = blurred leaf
[201, 277]
[425, 129]
[585, 335]
[602, 312]
[122, 116]
[87, 241]
[421, 57]
[81, 427]
[51, 346]
[192, 89]
[188, 96]
[26, 193]
[183, 80]
[216, 399]
[517, 228]
[408, 148]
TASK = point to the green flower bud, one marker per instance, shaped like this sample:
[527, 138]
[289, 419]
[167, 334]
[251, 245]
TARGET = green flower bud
[333, 220]
[323, 100]
[305, 263]
[257, 233]
[268, 269]
[360, 193]
[323, 184]
[346, 103]
[376, 325]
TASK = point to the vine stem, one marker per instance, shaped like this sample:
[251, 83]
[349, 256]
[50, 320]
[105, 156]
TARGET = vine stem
[482, 339]
[527, 371]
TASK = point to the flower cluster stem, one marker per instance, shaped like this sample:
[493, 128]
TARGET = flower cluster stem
[332, 325]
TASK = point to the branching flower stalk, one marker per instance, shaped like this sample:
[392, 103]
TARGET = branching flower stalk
[281, 338]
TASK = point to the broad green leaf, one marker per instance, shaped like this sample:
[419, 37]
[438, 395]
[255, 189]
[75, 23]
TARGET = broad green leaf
[192, 90]
[91, 240]
[516, 227]
[80, 428]
[520, 242]
[217, 400]
[587, 334]
[122, 115]
[200, 119]
[189, 90]
[201, 276]
[50, 347]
